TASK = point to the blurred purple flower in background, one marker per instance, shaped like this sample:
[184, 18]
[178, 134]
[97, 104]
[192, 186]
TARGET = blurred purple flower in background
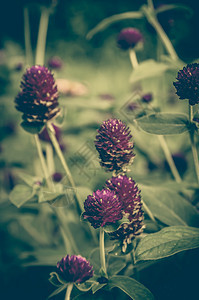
[128, 38]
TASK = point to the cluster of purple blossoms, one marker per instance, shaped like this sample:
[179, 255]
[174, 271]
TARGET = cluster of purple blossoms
[128, 38]
[114, 145]
[38, 98]
[74, 269]
[187, 84]
[55, 62]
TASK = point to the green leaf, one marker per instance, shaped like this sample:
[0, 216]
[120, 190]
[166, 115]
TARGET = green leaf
[28, 179]
[168, 206]
[33, 128]
[164, 123]
[115, 18]
[21, 194]
[131, 287]
[167, 242]
[57, 291]
[142, 71]
[115, 264]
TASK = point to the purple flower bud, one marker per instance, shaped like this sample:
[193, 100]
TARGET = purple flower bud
[146, 98]
[129, 38]
[38, 99]
[57, 177]
[19, 66]
[102, 208]
[75, 268]
[55, 62]
[187, 86]
[128, 194]
[114, 145]
[133, 106]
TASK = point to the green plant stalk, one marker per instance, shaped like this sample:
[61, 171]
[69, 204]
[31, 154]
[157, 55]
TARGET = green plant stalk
[150, 4]
[152, 19]
[133, 58]
[64, 164]
[42, 34]
[193, 144]
[102, 251]
[169, 158]
[148, 211]
[67, 237]
[50, 159]
[28, 48]
[43, 163]
[68, 291]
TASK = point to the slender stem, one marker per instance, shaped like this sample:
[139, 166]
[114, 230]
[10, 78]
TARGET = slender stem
[64, 164]
[193, 144]
[102, 251]
[41, 40]
[43, 163]
[68, 291]
[28, 48]
[148, 211]
[169, 158]
[50, 159]
[133, 58]
[150, 4]
[151, 17]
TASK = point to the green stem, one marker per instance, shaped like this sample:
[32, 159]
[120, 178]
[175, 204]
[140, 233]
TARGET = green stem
[28, 48]
[41, 40]
[169, 158]
[150, 4]
[148, 211]
[43, 163]
[152, 19]
[133, 58]
[68, 291]
[64, 164]
[102, 251]
[67, 237]
[50, 159]
[193, 144]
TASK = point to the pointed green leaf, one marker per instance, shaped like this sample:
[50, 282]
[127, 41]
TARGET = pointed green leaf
[168, 206]
[55, 279]
[21, 194]
[57, 291]
[167, 242]
[164, 123]
[33, 128]
[131, 287]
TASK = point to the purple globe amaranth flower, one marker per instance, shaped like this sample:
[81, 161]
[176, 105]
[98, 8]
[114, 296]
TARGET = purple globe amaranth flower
[74, 269]
[146, 98]
[57, 177]
[102, 208]
[128, 194]
[55, 62]
[38, 99]
[128, 231]
[187, 84]
[114, 145]
[128, 38]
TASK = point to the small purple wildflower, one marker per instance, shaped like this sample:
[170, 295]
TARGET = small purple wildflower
[38, 99]
[128, 194]
[74, 268]
[102, 208]
[57, 177]
[114, 145]
[146, 98]
[187, 84]
[128, 38]
[55, 62]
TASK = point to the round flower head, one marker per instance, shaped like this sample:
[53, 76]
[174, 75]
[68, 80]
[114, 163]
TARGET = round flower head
[128, 38]
[113, 142]
[128, 194]
[38, 99]
[102, 208]
[146, 98]
[128, 231]
[187, 84]
[55, 63]
[74, 269]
